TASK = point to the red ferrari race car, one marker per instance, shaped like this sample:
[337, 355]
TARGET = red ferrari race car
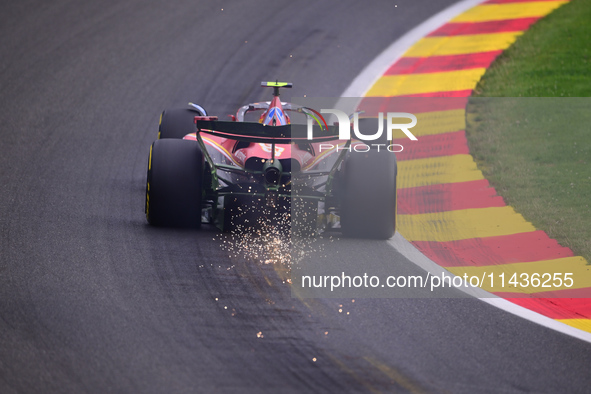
[241, 174]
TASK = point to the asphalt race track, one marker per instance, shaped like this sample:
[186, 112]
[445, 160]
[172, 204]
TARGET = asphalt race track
[92, 299]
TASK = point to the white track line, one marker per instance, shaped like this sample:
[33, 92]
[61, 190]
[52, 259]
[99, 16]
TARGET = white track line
[415, 256]
[361, 84]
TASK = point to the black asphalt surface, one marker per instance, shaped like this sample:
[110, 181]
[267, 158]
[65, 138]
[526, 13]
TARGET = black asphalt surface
[94, 300]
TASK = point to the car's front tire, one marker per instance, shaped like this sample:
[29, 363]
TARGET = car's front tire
[177, 123]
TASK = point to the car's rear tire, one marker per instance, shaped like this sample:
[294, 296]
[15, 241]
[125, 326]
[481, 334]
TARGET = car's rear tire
[368, 196]
[177, 123]
[174, 184]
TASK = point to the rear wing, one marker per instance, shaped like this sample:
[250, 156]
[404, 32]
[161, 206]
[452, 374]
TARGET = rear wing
[258, 132]
[276, 85]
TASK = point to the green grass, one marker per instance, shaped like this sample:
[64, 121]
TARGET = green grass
[537, 151]
[552, 58]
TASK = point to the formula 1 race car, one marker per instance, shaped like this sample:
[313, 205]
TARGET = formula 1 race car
[241, 174]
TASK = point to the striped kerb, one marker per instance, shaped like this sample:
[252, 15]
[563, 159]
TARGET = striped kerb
[446, 207]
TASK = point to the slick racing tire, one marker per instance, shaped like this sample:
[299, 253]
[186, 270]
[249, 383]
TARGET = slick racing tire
[177, 123]
[368, 198]
[174, 184]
